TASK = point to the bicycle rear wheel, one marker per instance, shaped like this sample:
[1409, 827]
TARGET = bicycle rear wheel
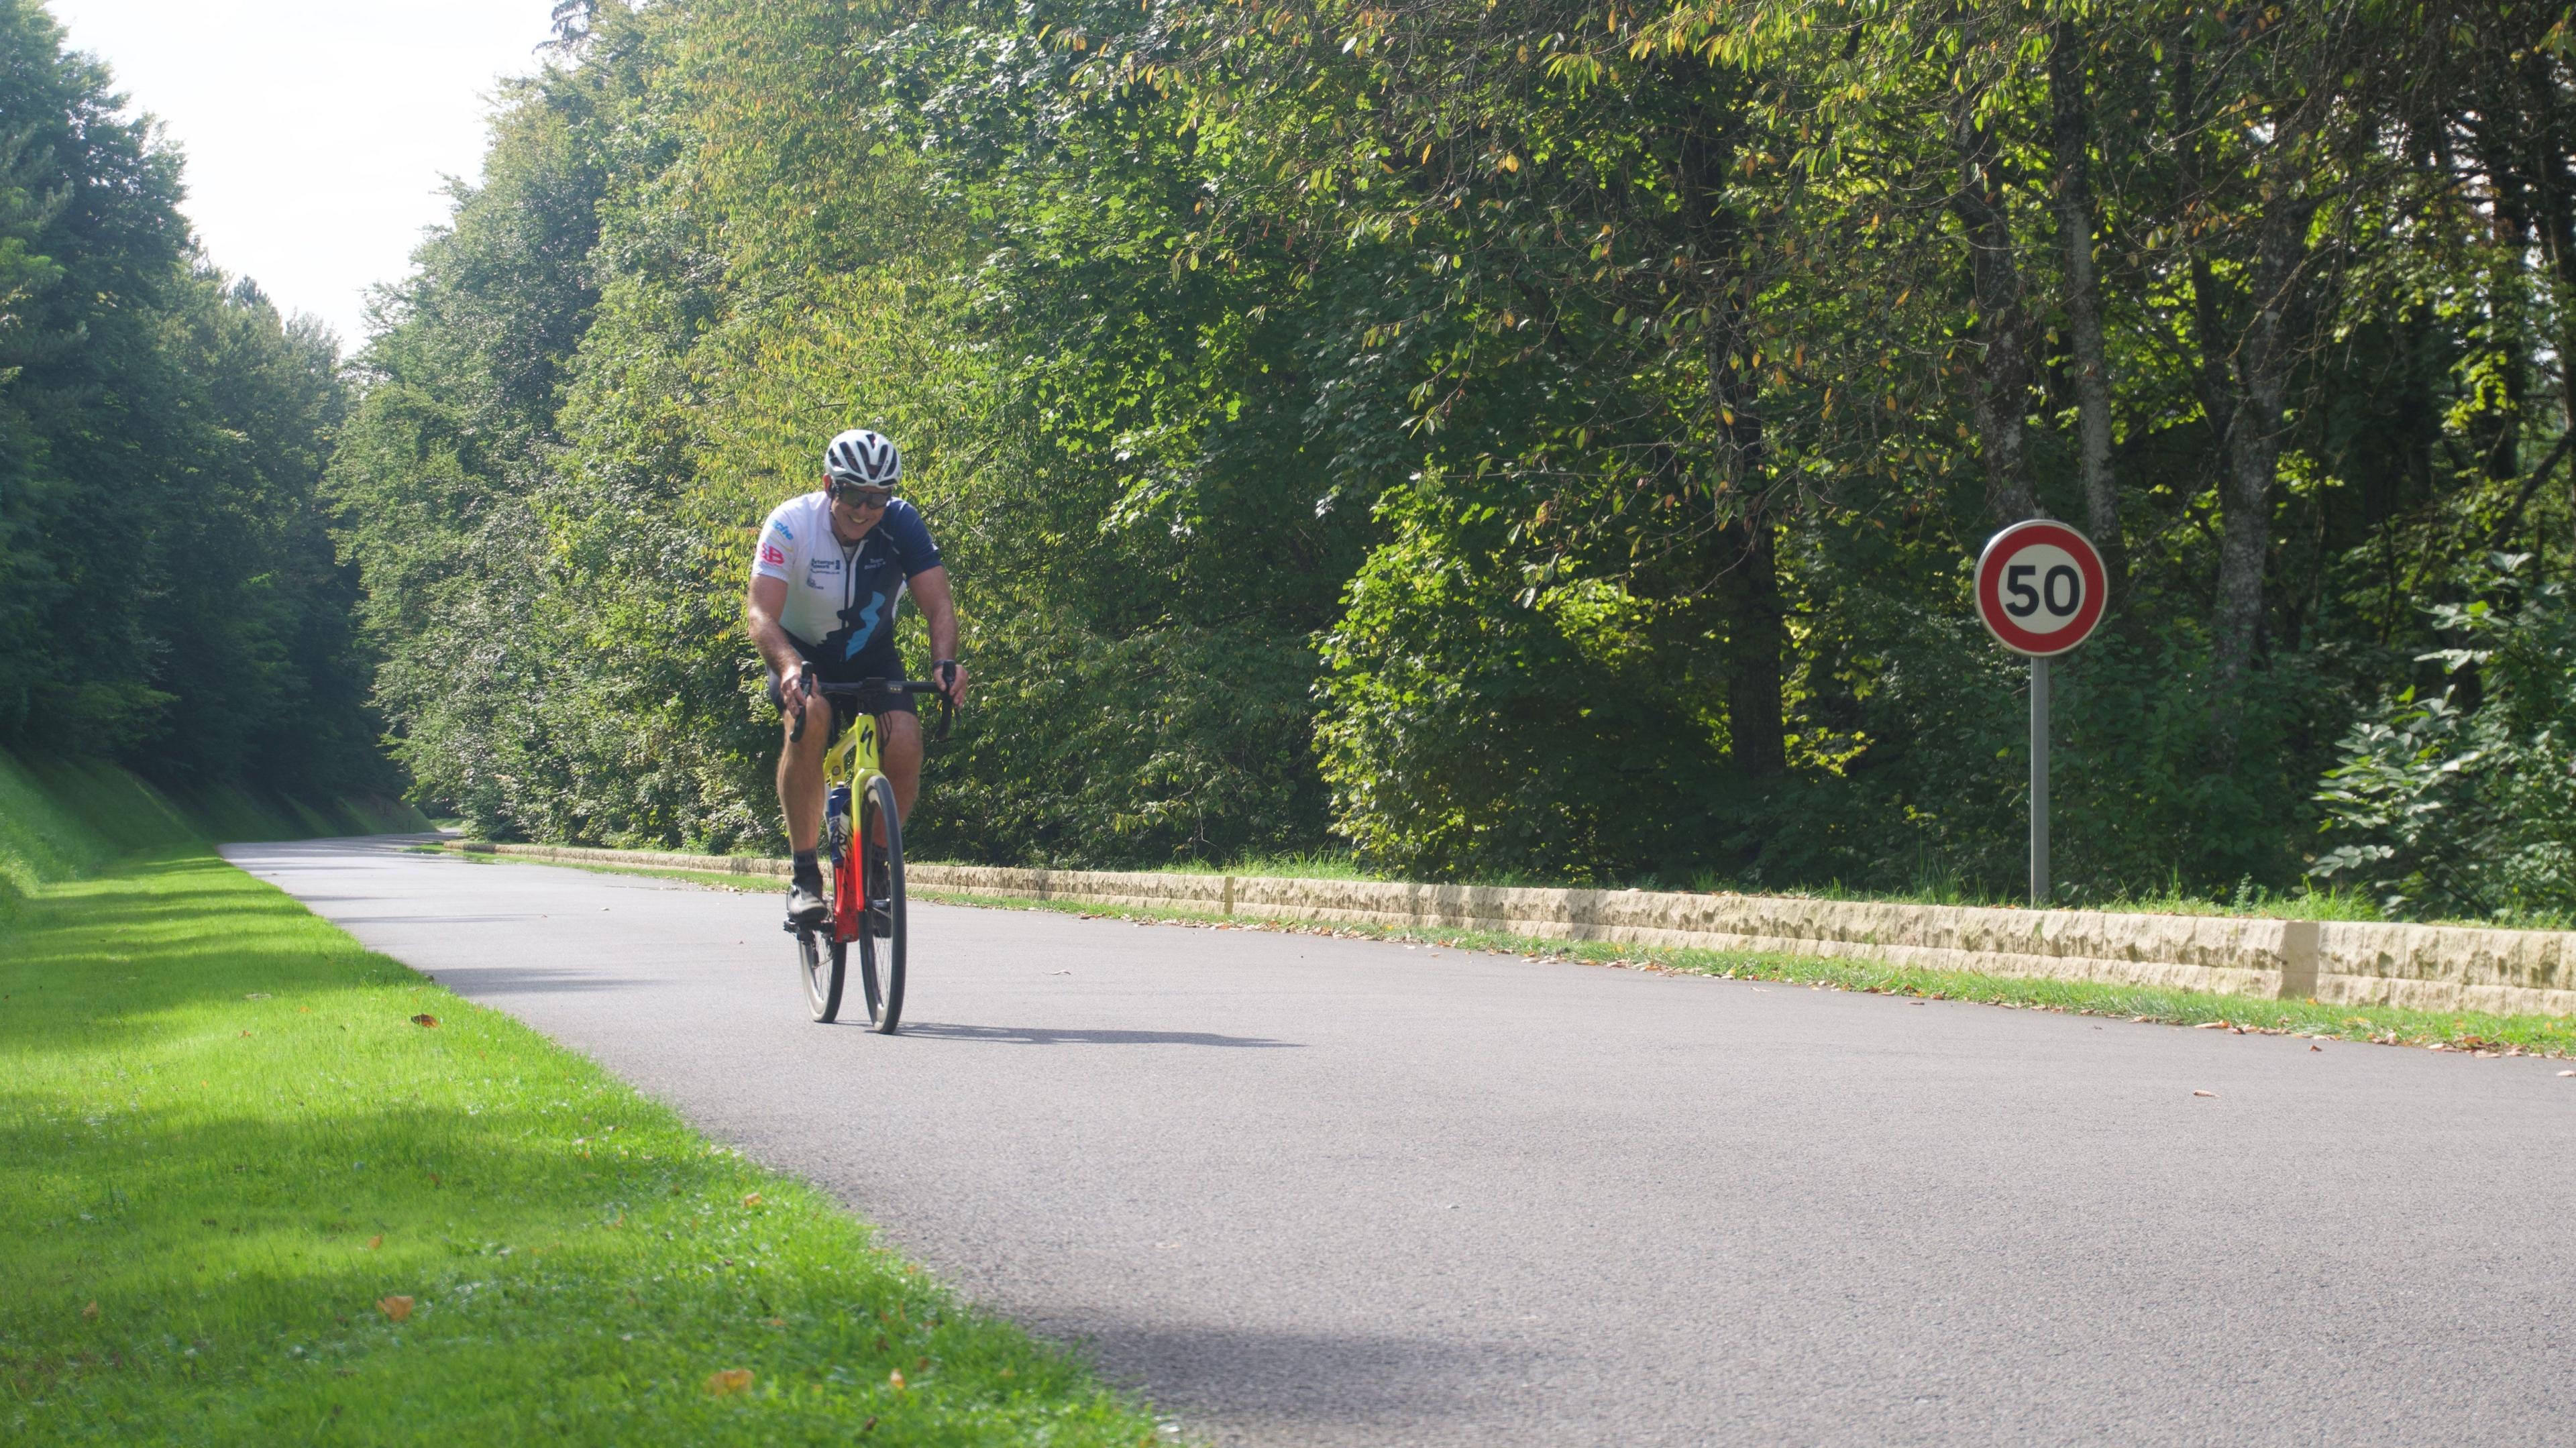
[881, 928]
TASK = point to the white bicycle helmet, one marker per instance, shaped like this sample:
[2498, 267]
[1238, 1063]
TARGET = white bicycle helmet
[863, 457]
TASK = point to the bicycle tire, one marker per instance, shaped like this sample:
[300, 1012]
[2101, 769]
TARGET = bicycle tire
[881, 956]
[823, 964]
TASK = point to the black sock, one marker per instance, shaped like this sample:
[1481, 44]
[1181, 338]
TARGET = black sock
[808, 872]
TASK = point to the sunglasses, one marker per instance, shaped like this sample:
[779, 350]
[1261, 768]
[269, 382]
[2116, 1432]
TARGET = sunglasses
[859, 497]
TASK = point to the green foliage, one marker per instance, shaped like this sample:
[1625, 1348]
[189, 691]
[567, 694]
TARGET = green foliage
[168, 594]
[1473, 733]
[2463, 803]
[1527, 440]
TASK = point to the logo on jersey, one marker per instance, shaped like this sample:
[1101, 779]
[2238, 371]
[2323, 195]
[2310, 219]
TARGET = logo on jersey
[783, 530]
[823, 572]
[772, 555]
[865, 624]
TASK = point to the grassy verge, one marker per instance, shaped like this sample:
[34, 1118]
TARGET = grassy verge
[255, 1196]
[2383, 1025]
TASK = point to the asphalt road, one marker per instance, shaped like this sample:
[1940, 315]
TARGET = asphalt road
[1309, 1191]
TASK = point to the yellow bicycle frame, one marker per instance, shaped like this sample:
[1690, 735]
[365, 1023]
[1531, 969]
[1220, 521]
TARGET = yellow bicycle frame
[853, 759]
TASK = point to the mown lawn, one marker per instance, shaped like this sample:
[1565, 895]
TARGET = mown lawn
[253, 1194]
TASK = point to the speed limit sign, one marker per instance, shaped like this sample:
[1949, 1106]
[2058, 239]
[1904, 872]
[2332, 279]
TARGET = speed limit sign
[2040, 588]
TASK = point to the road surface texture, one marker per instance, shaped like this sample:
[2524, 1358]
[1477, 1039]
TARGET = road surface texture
[1307, 1191]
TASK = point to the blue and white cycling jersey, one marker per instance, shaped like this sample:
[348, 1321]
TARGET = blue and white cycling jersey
[841, 599]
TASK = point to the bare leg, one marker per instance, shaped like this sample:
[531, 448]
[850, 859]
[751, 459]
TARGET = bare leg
[901, 756]
[800, 774]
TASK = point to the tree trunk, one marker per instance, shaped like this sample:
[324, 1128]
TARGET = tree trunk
[1757, 629]
[2263, 358]
[1745, 536]
[2072, 107]
[2002, 401]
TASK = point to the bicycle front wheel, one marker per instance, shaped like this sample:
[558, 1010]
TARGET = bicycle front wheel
[879, 845]
[821, 961]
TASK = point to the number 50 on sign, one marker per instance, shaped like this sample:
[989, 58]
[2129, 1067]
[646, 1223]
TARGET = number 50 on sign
[2040, 588]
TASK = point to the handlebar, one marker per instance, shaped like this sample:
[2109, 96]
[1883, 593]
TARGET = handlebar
[875, 689]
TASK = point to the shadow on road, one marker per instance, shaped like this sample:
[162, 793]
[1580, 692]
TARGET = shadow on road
[1046, 1036]
[502, 980]
[348, 920]
[1282, 1385]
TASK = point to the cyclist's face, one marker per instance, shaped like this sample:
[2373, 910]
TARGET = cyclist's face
[858, 509]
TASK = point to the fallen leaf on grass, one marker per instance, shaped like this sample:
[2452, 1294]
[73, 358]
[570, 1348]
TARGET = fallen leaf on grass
[2211, 1094]
[90, 1313]
[245, 1033]
[424, 1020]
[730, 1380]
[396, 1308]
[895, 1379]
[752, 1200]
[773, 1322]
[2211, 1026]
[375, 1241]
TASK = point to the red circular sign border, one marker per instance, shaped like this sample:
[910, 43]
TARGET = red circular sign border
[2008, 544]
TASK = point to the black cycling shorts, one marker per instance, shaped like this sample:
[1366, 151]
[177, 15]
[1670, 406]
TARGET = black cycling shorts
[882, 663]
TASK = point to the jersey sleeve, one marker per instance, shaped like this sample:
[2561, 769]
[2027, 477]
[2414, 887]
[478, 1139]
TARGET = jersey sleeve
[913, 547]
[772, 556]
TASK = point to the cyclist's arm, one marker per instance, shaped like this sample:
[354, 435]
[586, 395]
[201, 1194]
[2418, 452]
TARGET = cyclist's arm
[939, 611]
[761, 606]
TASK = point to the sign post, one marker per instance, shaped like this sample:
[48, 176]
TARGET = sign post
[2040, 591]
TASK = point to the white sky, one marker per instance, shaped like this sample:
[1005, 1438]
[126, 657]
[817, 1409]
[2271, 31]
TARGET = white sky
[315, 131]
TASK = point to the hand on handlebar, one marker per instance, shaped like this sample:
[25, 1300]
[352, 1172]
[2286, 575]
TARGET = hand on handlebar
[793, 691]
[952, 681]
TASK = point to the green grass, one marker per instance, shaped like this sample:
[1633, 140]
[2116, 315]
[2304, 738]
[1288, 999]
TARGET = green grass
[2529, 1035]
[228, 1143]
[251, 1197]
[2248, 899]
[63, 818]
[2385, 1025]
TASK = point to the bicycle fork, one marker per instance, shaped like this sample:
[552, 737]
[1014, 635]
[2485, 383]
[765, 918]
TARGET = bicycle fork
[845, 871]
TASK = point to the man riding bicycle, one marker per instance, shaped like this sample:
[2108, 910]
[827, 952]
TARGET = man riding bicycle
[826, 576]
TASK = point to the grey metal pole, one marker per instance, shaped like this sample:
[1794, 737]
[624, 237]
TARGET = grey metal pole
[2039, 782]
